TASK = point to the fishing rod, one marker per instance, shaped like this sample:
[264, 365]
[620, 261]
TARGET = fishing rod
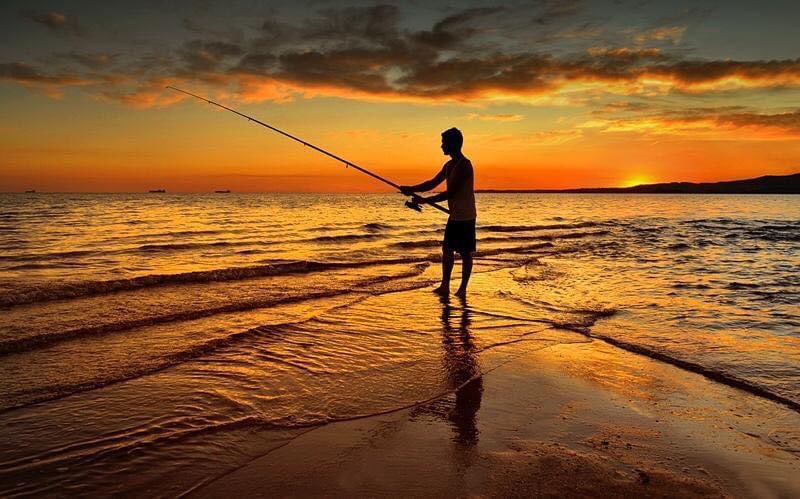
[413, 203]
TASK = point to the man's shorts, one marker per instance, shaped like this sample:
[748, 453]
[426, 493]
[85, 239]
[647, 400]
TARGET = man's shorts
[459, 236]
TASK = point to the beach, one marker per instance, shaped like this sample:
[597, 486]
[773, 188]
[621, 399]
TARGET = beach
[289, 345]
[577, 420]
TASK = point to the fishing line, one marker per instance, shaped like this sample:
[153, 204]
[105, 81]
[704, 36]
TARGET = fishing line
[413, 203]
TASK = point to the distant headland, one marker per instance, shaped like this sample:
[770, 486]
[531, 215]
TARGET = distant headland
[768, 184]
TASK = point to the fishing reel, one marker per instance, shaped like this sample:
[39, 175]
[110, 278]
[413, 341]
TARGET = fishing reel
[413, 203]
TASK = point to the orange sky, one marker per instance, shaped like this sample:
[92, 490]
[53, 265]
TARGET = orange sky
[663, 99]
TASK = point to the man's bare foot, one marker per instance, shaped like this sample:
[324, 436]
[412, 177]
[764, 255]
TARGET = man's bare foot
[461, 293]
[442, 291]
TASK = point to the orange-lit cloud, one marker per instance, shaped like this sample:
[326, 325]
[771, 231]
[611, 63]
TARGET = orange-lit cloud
[541, 138]
[363, 74]
[495, 117]
[713, 124]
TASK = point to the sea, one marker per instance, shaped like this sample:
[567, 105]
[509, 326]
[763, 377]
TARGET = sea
[152, 342]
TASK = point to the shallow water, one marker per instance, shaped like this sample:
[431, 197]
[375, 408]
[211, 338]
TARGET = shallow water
[146, 336]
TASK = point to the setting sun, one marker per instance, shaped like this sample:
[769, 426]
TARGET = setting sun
[637, 179]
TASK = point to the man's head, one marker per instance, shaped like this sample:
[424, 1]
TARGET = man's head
[452, 140]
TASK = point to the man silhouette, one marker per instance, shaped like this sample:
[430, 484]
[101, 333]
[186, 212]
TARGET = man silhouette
[459, 234]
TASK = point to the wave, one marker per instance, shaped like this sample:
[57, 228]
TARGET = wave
[183, 246]
[691, 285]
[776, 235]
[592, 315]
[91, 288]
[46, 265]
[503, 239]
[128, 441]
[59, 391]
[376, 227]
[713, 374]
[786, 297]
[718, 220]
[528, 228]
[646, 230]
[48, 256]
[423, 243]
[344, 237]
[678, 247]
[767, 230]
[207, 347]
[145, 248]
[743, 285]
[17, 345]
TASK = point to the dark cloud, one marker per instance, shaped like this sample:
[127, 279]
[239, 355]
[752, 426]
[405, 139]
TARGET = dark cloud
[695, 72]
[691, 15]
[787, 121]
[274, 33]
[457, 77]
[456, 28]
[54, 21]
[349, 26]
[256, 63]
[621, 114]
[376, 24]
[360, 69]
[556, 10]
[94, 60]
[230, 34]
[25, 73]
[205, 56]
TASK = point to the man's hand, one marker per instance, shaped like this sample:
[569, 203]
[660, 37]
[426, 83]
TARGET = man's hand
[442, 196]
[407, 190]
[422, 199]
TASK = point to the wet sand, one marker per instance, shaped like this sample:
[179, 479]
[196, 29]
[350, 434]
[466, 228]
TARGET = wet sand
[564, 420]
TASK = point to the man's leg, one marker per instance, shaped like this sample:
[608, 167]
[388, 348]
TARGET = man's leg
[466, 272]
[448, 257]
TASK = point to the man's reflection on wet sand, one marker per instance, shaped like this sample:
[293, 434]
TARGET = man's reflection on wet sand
[461, 365]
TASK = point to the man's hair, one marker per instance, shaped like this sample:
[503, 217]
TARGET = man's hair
[453, 136]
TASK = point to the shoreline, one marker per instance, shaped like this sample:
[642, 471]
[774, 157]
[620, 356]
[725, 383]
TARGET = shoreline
[566, 419]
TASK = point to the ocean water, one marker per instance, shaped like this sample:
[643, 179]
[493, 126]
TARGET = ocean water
[147, 338]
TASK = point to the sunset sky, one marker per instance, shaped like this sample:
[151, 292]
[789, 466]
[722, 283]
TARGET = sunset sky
[548, 94]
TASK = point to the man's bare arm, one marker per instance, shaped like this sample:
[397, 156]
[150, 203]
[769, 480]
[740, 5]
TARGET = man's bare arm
[442, 196]
[458, 180]
[424, 186]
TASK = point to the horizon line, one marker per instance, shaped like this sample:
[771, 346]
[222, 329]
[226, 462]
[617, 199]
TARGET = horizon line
[489, 190]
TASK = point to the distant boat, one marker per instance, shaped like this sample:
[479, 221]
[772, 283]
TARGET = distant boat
[223, 191]
[158, 191]
[30, 191]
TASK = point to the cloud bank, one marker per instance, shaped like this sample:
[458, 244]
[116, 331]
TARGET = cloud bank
[474, 55]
